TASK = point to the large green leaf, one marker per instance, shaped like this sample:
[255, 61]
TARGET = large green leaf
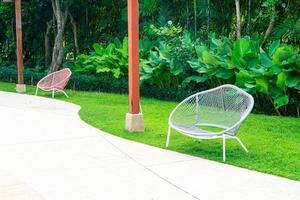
[200, 50]
[275, 69]
[258, 71]
[103, 69]
[208, 58]
[262, 85]
[197, 79]
[241, 47]
[218, 43]
[293, 81]
[175, 68]
[125, 44]
[116, 72]
[144, 77]
[117, 42]
[144, 65]
[186, 40]
[281, 54]
[98, 48]
[275, 92]
[281, 80]
[110, 48]
[224, 73]
[195, 64]
[281, 101]
[243, 77]
[251, 60]
[265, 61]
[273, 47]
[123, 48]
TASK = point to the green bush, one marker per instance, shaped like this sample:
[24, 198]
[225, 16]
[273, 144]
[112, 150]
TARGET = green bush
[103, 83]
[110, 60]
[174, 65]
[112, 85]
[171, 59]
[166, 65]
[273, 74]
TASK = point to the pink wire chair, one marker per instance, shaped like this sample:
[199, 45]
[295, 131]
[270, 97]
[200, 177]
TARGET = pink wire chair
[55, 82]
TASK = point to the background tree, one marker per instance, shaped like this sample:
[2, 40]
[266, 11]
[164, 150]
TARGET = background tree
[55, 31]
[58, 48]
[238, 19]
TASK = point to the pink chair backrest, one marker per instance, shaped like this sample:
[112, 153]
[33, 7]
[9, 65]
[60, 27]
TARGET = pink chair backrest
[56, 80]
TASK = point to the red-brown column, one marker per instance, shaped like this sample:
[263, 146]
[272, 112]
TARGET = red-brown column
[133, 60]
[19, 41]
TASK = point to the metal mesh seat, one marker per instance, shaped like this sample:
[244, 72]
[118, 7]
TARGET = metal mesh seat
[55, 82]
[215, 113]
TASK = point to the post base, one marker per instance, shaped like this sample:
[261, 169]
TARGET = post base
[134, 122]
[21, 88]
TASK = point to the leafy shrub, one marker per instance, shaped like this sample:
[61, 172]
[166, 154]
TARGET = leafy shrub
[171, 59]
[99, 83]
[166, 64]
[111, 59]
[274, 73]
[110, 84]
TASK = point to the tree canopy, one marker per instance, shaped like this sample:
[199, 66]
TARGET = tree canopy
[103, 20]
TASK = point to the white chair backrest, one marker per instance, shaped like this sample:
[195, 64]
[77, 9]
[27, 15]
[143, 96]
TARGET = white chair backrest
[224, 106]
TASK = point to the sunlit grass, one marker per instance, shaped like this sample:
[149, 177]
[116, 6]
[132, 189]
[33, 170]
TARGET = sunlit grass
[273, 142]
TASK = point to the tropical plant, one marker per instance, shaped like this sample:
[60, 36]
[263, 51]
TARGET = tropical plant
[166, 64]
[274, 73]
[111, 59]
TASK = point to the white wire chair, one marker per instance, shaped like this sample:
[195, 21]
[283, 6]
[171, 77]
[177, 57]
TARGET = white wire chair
[211, 114]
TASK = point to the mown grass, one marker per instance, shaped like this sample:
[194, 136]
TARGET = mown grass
[273, 142]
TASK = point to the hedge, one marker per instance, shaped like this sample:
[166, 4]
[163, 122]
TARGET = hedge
[97, 83]
[112, 85]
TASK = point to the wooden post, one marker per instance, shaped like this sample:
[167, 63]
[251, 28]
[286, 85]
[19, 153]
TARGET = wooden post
[133, 39]
[18, 9]
[134, 119]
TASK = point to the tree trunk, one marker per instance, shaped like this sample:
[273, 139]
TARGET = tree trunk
[249, 16]
[270, 26]
[195, 17]
[58, 48]
[208, 15]
[187, 15]
[12, 28]
[74, 26]
[87, 17]
[238, 19]
[47, 44]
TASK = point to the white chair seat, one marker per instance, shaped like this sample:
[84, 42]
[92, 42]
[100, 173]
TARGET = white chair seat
[195, 131]
[224, 107]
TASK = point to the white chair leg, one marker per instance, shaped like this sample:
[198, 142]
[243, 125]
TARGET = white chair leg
[224, 148]
[65, 93]
[243, 146]
[53, 92]
[36, 91]
[168, 137]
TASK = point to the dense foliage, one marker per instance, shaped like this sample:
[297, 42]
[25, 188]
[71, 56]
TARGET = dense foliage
[185, 45]
[110, 59]
[172, 59]
[103, 20]
[274, 72]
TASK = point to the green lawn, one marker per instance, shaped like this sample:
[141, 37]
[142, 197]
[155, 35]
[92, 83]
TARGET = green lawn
[273, 142]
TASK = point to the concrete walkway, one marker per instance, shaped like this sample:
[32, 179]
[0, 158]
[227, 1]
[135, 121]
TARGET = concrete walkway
[48, 153]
